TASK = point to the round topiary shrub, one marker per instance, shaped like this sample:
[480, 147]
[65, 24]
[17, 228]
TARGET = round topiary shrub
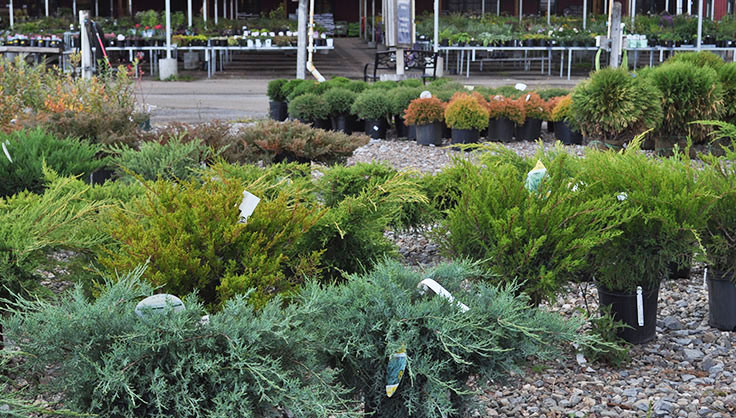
[689, 93]
[372, 104]
[698, 59]
[465, 112]
[401, 97]
[505, 107]
[614, 106]
[425, 111]
[339, 100]
[274, 90]
[308, 107]
[727, 74]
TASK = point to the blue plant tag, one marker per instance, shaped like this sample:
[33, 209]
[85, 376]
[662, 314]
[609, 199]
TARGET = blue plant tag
[395, 371]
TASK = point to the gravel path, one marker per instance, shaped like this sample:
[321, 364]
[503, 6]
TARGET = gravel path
[687, 371]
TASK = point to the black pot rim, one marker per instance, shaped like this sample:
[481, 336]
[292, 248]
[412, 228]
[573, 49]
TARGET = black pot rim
[644, 290]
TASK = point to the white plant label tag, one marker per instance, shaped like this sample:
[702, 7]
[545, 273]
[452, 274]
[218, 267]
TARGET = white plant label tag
[438, 289]
[375, 128]
[7, 154]
[527, 97]
[705, 279]
[639, 306]
[248, 205]
[425, 95]
[622, 196]
[520, 86]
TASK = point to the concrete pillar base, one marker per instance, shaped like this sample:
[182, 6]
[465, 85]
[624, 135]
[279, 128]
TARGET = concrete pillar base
[167, 68]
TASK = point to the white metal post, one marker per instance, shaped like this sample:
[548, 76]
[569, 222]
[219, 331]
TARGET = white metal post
[585, 14]
[189, 13]
[483, 7]
[633, 14]
[11, 14]
[85, 46]
[667, 6]
[690, 7]
[301, 52]
[679, 7]
[700, 23]
[97, 8]
[549, 6]
[498, 7]
[521, 9]
[373, 22]
[204, 12]
[436, 25]
[47, 8]
[74, 7]
[168, 29]
[216, 12]
[112, 10]
[130, 7]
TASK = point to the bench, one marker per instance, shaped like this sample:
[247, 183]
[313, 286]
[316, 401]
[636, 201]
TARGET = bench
[414, 60]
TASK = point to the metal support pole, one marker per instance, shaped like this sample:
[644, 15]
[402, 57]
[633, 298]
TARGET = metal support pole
[130, 7]
[47, 8]
[301, 52]
[521, 9]
[216, 12]
[399, 62]
[549, 7]
[585, 14]
[11, 14]
[74, 7]
[615, 36]
[373, 22]
[483, 7]
[97, 8]
[112, 10]
[690, 7]
[436, 25]
[700, 23]
[189, 13]
[85, 46]
[204, 12]
[168, 29]
[633, 14]
[498, 7]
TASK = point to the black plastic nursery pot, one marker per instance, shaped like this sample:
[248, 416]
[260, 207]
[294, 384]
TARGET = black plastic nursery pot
[376, 128]
[465, 136]
[624, 308]
[501, 129]
[100, 176]
[721, 300]
[429, 134]
[411, 134]
[402, 130]
[550, 126]
[566, 135]
[278, 110]
[531, 130]
[342, 123]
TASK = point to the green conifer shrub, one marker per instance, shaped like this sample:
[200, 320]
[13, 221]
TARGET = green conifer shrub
[539, 237]
[113, 363]
[29, 149]
[372, 104]
[171, 161]
[308, 107]
[274, 90]
[362, 322]
[191, 235]
[339, 100]
[401, 97]
[613, 106]
[727, 75]
[697, 59]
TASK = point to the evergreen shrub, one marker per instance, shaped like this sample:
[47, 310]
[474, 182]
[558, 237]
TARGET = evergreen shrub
[505, 107]
[697, 59]
[274, 92]
[339, 100]
[539, 237]
[613, 106]
[689, 93]
[401, 98]
[171, 161]
[308, 107]
[424, 111]
[29, 150]
[465, 112]
[372, 104]
[534, 106]
[727, 75]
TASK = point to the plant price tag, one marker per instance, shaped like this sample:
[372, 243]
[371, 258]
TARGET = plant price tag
[7, 154]
[639, 306]
[705, 279]
[438, 289]
[248, 205]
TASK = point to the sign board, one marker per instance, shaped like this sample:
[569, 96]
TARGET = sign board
[399, 19]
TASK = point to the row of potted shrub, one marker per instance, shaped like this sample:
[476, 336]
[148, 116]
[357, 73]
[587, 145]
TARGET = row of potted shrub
[340, 104]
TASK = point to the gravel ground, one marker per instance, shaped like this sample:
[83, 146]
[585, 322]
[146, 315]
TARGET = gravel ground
[687, 371]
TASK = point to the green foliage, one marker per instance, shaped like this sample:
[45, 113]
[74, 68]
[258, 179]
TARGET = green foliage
[540, 238]
[109, 127]
[401, 97]
[289, 87]
[193, 238]
[606, 328]
[372, 104]
[424, 111]
[171, 161]
[464, 112]
[718, 236]
[339, 100]
[613, 106]
[307, 87]
[308, 107]
[351, 233]
[361, 323]
[689, 93]
[339, 182]
[698, 59]
[383, 85]
[727, 75]
[668, 207]
[216, 134]
[112, 363]
[357, 86]
[552, 92]
[508, 91]
[411, 82]
[274, 90]
[32, 226]
[273, 141]
[31, 149]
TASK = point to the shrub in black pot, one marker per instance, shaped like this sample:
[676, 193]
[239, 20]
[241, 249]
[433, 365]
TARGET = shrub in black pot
[340, 100]
[565, 124]
[727, 75]
[400, 98]
[373, 106]
[427, 116]
[665, 212]
[309, 108]
[689, 93]
[612, 107]
[719, 239]
[535, 110]
[504, 113]
[278, 108]
[466, 116]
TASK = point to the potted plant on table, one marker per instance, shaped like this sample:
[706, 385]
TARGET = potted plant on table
[339, 101]
[466, 117]
[278, 108]
[504, 113]
[310, 109]
[719, 238]
[535, 110]
[400, 99]
[427, 115]
[373, 106]
[565, 126]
